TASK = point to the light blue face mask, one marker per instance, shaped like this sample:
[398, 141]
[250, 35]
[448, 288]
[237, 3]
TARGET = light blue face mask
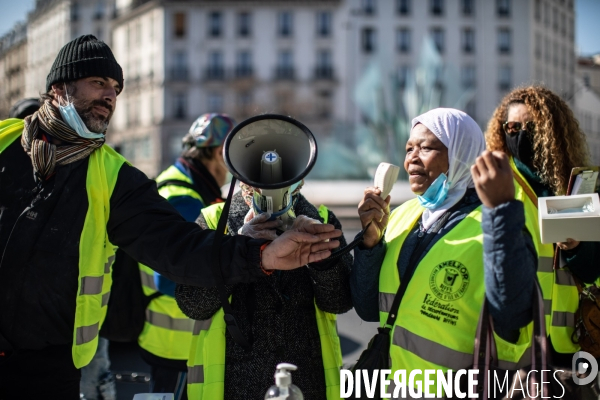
[436, 193]
[71, 117]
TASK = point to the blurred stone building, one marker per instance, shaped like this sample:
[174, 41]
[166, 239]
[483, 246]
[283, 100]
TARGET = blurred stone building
[182, 59]
[588, 70]
[13, 63]
[300, 58]
[52, 24]
[587, 102]
[304, 58]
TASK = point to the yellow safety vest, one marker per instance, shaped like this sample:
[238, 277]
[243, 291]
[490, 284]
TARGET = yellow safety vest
[168, 191]
[438, 316]
[167, 331]
[206, 364]
[95, 268]
[561, 297]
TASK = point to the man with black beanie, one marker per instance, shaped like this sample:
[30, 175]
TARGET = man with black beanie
[67, 201]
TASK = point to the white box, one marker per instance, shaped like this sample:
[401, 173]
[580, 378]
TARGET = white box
[581, 226]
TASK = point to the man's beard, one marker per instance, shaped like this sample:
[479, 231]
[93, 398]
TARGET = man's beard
[96, 124]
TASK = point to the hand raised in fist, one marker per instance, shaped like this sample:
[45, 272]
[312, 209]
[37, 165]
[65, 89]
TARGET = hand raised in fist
[493, 178]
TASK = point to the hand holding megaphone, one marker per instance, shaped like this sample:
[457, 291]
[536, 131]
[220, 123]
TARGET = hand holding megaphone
[274, 153]
[259, 227]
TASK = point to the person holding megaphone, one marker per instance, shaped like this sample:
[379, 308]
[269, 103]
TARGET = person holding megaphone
[288, 316]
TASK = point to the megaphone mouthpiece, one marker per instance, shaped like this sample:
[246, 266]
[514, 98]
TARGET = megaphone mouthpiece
[270, 167]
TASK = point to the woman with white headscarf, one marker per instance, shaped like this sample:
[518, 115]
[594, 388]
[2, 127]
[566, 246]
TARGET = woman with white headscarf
[437, 241]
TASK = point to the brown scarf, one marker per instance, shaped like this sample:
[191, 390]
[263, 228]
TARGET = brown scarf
[45, 155]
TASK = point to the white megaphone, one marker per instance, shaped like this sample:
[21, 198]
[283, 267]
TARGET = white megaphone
[272, 153]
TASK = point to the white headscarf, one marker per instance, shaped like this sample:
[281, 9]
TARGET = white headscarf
[465, 142]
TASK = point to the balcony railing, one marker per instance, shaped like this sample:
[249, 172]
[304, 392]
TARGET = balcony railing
[468, 48]
[324, 73]
[504, 49]
[214, 73]
[179, 74]
[284, 73]
[244, 72]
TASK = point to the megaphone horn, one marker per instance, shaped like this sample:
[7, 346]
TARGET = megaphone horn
[270, 152]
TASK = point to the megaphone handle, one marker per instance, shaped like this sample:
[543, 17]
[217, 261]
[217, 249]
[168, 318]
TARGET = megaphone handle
[349, 247]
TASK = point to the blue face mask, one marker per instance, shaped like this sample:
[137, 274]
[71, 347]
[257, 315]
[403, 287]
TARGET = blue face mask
[71, 117]
[436, 193]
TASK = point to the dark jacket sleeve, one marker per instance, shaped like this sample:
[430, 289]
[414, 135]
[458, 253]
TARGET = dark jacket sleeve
[199, 302]
[510, 264]
[151, 231]
[331, 279]
[189, 208]
[364, 281]
[583, 261]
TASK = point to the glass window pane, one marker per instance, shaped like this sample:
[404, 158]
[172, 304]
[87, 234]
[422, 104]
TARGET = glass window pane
[284, 24]
[403, 7]
[179, 22]
[215, 24]
[403, 40]
[244, 24]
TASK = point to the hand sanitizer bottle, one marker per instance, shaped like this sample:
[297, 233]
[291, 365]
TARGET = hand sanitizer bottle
[283, 389]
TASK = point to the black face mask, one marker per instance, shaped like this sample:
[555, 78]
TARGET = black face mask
[521, 147]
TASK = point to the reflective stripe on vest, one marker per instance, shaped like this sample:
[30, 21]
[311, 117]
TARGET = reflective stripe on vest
[565, 301]
[168, 322]
[95, 268]
[94, 279]
[206, 364]
[438, 316]
[147, 278]
[168, 191]
[558, 288]
[167, 332]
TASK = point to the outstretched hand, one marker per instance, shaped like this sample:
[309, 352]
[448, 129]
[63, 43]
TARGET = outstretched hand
[375, 211]
[301, 222]
[294, 249]
[493, 178]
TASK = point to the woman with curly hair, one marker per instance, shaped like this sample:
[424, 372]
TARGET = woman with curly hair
[540, 133]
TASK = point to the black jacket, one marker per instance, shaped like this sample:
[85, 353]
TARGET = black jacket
[39, 248]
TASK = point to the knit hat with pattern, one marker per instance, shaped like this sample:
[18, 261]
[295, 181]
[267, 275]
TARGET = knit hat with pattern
[83, 57]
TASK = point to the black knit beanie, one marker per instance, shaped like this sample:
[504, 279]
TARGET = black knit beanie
[83, 57]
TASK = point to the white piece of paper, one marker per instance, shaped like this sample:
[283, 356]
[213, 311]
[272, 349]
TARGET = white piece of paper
[585, 183]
